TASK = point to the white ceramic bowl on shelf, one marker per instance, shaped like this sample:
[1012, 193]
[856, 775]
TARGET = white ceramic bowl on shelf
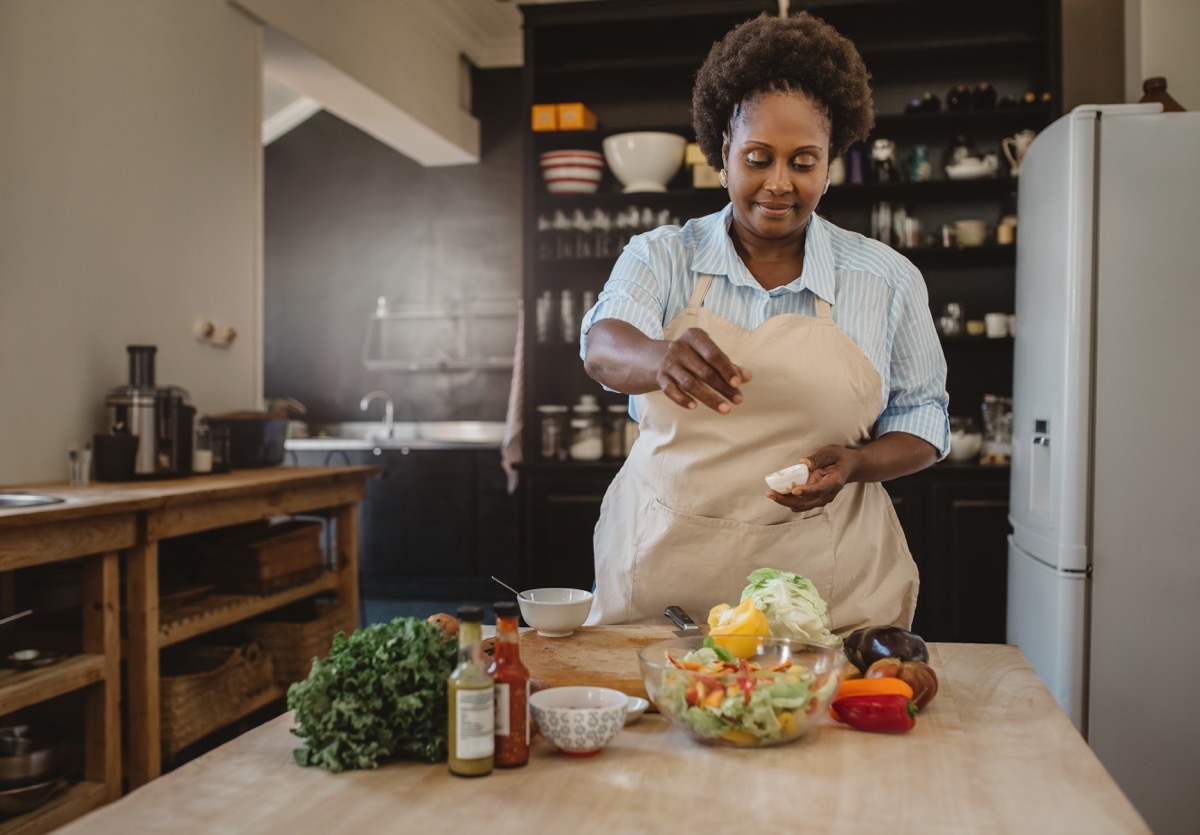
[572, 171]
[644, 160]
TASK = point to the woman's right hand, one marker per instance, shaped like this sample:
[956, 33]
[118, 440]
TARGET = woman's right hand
[693, 369]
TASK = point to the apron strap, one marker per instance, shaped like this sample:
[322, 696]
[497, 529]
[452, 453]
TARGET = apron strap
[822, 307]
[698, 294]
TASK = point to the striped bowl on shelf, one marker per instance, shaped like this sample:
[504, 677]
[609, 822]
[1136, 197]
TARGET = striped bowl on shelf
[572, 172]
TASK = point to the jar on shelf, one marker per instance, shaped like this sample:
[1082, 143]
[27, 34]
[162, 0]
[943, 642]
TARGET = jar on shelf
[587, 441]
[616, 416]
[553, 420]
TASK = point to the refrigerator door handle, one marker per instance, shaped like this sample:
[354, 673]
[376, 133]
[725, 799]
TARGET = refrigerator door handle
[1041, 440]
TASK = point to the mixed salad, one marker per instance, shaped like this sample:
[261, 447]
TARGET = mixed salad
[739, 701]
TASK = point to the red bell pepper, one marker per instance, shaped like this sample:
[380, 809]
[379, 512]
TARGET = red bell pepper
[888, 713]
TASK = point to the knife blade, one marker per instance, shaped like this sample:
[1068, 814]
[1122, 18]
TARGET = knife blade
[687, 626]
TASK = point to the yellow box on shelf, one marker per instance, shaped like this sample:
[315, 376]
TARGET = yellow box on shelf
[703, 176]
[575, 116]
[545, 117]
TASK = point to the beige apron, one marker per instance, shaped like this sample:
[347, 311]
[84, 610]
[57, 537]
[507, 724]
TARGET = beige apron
[687, 517]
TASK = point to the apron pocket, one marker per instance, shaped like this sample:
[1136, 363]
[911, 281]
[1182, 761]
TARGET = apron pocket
[700, 561]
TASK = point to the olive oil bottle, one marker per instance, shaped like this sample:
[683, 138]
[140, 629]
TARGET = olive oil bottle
[472, 702]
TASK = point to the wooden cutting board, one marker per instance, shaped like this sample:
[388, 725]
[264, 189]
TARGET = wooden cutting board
[601, 656]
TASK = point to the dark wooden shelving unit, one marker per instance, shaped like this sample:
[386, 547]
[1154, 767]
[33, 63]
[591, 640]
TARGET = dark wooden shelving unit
[633, 63]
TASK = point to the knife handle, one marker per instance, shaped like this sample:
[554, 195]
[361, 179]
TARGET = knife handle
[681, 618]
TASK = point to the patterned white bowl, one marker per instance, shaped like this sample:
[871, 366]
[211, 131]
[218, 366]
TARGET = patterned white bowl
[579, 721]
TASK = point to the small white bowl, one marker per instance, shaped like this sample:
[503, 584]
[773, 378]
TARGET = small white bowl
[634, 708]
[644, 160]
[579, 720]
[555, 613]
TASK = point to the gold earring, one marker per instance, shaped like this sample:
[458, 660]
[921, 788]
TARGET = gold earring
[826, 187]
[723, 178]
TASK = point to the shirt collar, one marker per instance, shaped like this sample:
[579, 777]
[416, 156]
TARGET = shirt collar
[715, 255]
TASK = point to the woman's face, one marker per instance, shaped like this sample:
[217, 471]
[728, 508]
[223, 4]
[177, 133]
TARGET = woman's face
[777, 162]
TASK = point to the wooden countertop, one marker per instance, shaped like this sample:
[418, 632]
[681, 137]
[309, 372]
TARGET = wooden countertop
[104, 498]
[992, 754]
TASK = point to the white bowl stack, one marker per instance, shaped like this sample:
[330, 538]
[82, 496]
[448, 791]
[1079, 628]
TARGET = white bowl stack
[572, 171]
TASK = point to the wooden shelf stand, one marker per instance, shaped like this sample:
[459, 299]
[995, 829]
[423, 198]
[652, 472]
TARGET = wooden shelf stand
[219, 610]
[102, 524]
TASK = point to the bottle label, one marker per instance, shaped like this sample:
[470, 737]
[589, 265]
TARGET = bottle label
[502, 708]
[476, 717]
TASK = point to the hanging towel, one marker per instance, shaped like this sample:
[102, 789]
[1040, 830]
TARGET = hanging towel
[510, 447]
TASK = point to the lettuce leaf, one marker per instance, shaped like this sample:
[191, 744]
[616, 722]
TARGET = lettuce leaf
[381, 693]
[793, 607]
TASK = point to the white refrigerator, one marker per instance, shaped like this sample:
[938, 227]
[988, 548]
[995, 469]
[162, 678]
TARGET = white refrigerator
[1104, 555]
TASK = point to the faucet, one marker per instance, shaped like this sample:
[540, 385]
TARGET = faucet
[388, 415]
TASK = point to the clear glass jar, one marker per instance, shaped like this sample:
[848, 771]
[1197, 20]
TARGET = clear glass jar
[554, 431]
[616, 416]
[587, 434]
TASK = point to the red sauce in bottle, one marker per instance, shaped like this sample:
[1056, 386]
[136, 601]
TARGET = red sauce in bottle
[512, 690]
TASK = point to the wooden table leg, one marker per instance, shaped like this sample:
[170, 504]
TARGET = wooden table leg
[102, 636]
[347, 558]
[141, 602]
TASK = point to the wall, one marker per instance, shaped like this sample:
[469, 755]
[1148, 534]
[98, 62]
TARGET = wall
[129, 205]
[1160, 39]
[1093, 49]
[388, 67]
[348, 220]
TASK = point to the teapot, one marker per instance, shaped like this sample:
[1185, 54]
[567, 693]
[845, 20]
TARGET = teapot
[1015, 147]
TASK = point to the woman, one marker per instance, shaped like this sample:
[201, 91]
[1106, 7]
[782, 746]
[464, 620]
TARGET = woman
[760, 337]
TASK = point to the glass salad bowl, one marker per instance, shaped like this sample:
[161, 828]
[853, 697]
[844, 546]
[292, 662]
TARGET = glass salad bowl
[772, 696]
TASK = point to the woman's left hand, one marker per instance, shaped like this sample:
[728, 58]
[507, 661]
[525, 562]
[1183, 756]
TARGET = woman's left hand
[830, 469]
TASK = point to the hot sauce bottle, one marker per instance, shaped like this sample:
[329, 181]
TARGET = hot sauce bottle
[472, 703]
[512, 690]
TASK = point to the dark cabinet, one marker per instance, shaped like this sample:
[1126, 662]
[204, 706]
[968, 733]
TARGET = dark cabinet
[561, 507]
[434, 524]
[632, 63]
[955, 518]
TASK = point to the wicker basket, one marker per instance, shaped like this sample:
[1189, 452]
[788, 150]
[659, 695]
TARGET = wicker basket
[205, 687]
[296, 635]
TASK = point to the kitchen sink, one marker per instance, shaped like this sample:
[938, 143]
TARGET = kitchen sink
[413, 434]
[11, 500]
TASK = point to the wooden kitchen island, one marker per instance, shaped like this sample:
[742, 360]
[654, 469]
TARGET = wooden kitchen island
[114, 530]
[993, 753]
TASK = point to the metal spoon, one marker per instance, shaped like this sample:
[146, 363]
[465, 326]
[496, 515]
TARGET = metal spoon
[498, 580]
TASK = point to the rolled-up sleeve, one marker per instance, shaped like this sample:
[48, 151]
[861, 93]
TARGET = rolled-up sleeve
[633, 293]
[917, 401]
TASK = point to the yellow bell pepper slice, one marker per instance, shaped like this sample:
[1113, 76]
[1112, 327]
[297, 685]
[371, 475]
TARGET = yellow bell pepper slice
[746, 619]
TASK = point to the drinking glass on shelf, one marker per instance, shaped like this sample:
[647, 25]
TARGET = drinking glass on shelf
[568, 317]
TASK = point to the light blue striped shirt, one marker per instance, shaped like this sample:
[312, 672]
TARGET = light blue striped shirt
[878, 299]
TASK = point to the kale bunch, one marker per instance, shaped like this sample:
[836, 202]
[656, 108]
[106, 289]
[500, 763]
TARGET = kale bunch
[381, 693]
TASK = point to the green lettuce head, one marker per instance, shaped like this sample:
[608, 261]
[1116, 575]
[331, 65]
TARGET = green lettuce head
[793, 607]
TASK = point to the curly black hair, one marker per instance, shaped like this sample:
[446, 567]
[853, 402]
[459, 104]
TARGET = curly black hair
[800, 53]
